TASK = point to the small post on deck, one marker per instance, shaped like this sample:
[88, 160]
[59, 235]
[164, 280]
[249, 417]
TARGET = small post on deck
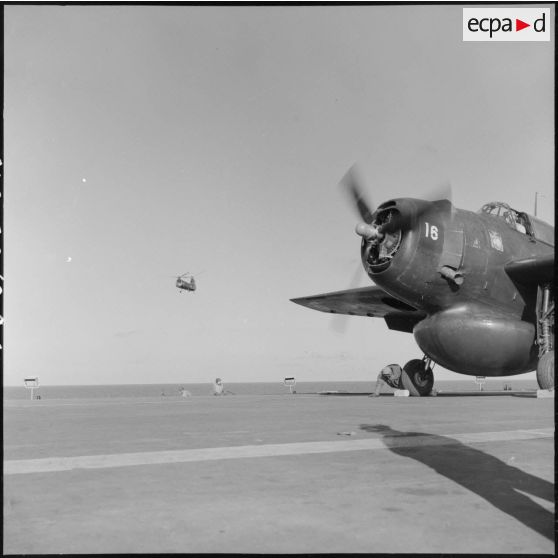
[480, 380]
[290, 382]
[31, 383]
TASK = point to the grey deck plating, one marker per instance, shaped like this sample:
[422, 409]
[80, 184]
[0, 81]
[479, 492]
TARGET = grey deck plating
[273, 474]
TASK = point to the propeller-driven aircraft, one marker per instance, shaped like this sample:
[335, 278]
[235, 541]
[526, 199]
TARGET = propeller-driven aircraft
[475, 289]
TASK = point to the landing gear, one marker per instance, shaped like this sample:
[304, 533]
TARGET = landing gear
[545, 336]
[417, 377]
[545, 371]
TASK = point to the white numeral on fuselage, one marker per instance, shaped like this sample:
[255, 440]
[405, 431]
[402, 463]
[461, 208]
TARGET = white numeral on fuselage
[431, 231]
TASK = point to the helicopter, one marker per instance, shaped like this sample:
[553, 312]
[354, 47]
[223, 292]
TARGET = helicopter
[187, 281]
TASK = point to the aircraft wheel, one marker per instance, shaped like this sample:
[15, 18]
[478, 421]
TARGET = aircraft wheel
[545, 371]
[416, 378]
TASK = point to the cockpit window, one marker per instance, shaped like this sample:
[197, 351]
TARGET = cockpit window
[515, 219]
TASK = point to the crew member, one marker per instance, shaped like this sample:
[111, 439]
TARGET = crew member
[389, 375]
[218, 387]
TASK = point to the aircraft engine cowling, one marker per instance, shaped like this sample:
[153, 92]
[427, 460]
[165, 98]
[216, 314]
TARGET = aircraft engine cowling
[472, 340]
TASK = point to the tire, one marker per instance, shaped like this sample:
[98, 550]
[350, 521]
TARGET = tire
[415, 378]
[545, 371]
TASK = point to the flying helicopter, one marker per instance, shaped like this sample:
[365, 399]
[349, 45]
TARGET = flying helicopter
[475, 289]
[186, 282]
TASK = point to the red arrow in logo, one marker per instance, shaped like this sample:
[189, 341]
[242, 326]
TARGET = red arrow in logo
[519, 25]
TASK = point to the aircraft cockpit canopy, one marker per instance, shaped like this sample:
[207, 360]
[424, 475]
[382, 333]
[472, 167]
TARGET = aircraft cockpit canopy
[520, 221]
[515, 219]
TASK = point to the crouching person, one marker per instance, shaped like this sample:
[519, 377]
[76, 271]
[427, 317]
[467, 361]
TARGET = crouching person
[389, 375]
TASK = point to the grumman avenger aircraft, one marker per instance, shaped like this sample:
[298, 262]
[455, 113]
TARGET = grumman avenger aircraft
[475, 289]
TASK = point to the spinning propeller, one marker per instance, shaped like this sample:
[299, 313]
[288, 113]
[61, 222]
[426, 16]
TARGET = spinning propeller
[372, 228]
[381, 227]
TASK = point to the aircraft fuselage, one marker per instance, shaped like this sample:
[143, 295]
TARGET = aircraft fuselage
[450, 264]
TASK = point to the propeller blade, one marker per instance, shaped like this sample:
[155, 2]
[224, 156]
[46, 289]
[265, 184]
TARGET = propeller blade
[440, 191]
[352, 184]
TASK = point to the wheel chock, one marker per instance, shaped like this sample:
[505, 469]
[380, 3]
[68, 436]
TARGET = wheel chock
[401, 393]
[542, 393]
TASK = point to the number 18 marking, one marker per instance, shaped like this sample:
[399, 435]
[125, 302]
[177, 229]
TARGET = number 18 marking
[431, 231]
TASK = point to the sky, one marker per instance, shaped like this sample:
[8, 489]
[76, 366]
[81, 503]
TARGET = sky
[143, 142]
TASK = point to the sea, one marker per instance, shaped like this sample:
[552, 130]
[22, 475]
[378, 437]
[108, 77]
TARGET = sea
[243, 388]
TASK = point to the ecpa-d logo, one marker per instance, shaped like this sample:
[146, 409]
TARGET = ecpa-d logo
[506, 24]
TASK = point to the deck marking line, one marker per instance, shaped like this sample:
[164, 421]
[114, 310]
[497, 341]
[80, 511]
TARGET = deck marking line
[55, 464]
[504, 436]
[544, 431]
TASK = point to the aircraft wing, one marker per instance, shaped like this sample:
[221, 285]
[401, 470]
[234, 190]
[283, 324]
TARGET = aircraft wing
[534, 270]
[366, 301]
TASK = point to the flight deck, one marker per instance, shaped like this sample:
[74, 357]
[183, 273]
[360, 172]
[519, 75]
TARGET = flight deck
[295, 473]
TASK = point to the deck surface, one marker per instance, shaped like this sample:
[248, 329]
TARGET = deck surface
[280, 474]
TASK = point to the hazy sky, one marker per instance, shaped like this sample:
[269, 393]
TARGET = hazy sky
[146, 141]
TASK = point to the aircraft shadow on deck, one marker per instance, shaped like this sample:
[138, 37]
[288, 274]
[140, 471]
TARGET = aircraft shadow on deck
[493, 480]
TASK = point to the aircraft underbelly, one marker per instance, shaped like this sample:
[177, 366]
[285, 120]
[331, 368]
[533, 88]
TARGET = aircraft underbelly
[471, 339]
